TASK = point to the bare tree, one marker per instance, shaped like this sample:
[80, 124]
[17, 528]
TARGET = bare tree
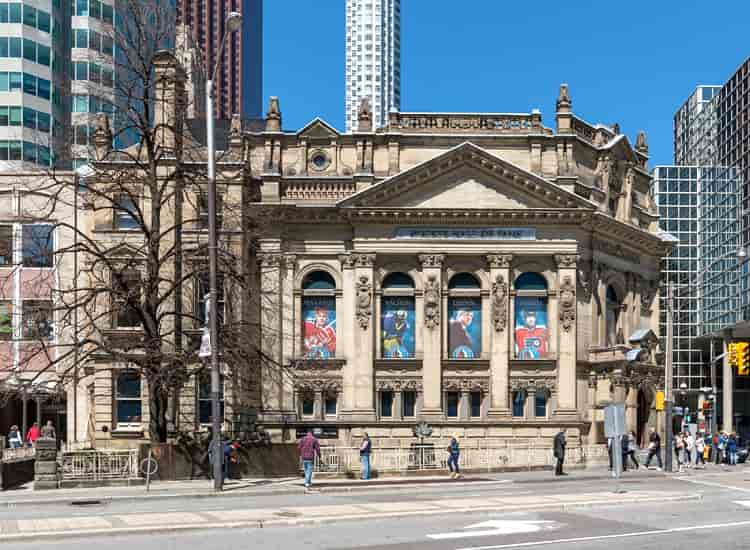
[134, 223]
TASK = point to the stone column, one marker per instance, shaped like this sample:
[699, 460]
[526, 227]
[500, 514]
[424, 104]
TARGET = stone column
[344, 333]
[592, 409]
[45, 464]
[567, 341]
[531, 402]
[419, 405]
[432, 406]
[618, 382]
[631, 409]
[318, 410]
[271, 330]
[290, 326]
[500, 350]
[362, 353]
[398, 407]
[727, 399]
[464, 404]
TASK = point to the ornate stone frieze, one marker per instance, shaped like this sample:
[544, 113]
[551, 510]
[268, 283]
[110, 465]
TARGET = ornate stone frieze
[312, 385]
[466, 384]
[347, 261]
[398, 384]
[364, 301]
[270, 259]
[615, 249]
[363, 260]
[431, 302]
[567, 303]
[499, 303]
[323, 365]
[566, 260]
[431, 260]
[499, 260]
[546, 385]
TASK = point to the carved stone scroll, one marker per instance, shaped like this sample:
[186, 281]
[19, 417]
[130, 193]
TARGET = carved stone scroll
[432, 302]
[567, 303]
[499, 303]
[364, 301]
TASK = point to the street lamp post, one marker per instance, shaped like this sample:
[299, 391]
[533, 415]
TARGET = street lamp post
[233, 22]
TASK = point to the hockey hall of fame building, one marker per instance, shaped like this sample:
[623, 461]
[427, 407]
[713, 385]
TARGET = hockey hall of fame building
[484, 273]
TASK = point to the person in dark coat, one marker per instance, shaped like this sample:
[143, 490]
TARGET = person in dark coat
[559, 452]
[654, 449]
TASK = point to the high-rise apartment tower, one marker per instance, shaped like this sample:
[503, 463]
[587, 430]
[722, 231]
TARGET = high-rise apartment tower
[373, 59]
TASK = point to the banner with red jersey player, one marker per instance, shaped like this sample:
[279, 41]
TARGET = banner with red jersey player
[531, 334]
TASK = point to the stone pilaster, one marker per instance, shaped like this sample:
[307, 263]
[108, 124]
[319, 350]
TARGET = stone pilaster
[398, 407]
[289, 326]
[318, 411]
[345, 334]
[432, 267]
[500, 339]
[271, 331]
[362, 353]
[567, 341]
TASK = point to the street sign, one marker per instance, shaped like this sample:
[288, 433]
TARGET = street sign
[659, 400]
[614, 420]
[677, 411]
[205, 349]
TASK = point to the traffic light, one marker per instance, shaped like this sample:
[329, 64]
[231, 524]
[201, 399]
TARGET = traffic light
[742, 350]
[732, 350]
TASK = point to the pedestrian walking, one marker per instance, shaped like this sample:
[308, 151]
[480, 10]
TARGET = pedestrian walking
[629, 448]
[722, 447]
[33, 434]
[732, 449]
[716, 441]
[365, 449]
[309, 449]
[14, 437]
[610, 444]
[689, 449]
[700, 447]
[454, 453]
[679, 450]
[654, 449]
[559, 452]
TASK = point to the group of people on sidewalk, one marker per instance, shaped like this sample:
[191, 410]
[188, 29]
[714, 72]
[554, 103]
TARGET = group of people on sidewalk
[717, 448]
[16, 441]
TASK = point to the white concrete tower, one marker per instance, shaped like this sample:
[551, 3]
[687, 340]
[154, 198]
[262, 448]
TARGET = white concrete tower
[373, 59]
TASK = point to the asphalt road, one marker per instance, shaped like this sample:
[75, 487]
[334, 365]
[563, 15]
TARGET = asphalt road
[718, 521]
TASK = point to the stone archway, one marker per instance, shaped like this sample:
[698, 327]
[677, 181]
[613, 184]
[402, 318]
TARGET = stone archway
[645, 400]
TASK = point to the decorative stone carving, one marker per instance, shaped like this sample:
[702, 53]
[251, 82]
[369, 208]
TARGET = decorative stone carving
[592, 380]
[566, 260]
[499, 303]
[347, 261]
[269, 259]
[567, 303]
[364, 301]
[431, 260]
[364, 117]
[563, 99]
[314, 385]
[586, 282]
[273, 116]
[363, 260]
[290, 262]
[431, 302]
[499, 260]
[235, 126]
[466, 384]
[648, 293]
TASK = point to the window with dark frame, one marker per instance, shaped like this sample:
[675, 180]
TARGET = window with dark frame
[6, 320]
[540, 405]
[308, 405]
[202, 288]
[451, 404]
[203, 211]
[519, 400]
[476, 404]
[6, 245]
[37, 244]
[409, 403]
[204, 398]
[331, 405]
[127, 296]
[128, 402]
[125, 213]
[36, 318]
[386, 404]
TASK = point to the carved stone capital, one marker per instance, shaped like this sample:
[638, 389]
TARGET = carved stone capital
[567, 303]
[347, 261]
[566, 260]
[499, 260]
[290, 261]
[431, 260]
[363, 260]
[269, 259]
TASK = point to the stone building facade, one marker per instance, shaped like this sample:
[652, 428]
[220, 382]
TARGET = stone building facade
[485, 273]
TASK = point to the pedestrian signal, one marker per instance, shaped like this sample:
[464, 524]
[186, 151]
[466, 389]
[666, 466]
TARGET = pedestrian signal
[742, 351]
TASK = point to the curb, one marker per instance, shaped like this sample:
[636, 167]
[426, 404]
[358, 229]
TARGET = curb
[327, 520]
[237, 493]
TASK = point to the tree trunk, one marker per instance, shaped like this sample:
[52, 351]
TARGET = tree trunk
[158, 403]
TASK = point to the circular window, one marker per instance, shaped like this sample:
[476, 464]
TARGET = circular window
[319, 160]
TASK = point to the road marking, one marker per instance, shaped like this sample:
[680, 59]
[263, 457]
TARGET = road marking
[711, 484]
[608, 537]
[745, 503]
[494, 527]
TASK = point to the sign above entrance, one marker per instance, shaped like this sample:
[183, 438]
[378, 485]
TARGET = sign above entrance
[470, 233]
[451, 123]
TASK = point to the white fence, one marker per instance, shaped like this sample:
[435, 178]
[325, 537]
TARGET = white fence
[20, 452]
[99, 465]
[516, 455]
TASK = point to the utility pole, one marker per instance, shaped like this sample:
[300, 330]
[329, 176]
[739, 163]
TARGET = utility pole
[669, 433]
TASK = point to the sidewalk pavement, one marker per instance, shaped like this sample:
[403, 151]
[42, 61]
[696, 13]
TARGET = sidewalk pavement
[151, 522]
[202, 488]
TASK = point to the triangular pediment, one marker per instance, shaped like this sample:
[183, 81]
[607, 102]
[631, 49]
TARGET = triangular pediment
[318, 129]
[467, 177]
[124, 251]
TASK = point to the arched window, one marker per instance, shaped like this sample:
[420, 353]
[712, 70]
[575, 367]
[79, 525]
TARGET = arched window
[531, 333]
[397, 319]
[465, 317]
[319, 316]
[612, 315]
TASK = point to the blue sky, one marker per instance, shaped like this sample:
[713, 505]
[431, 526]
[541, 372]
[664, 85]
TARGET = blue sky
[629, 62]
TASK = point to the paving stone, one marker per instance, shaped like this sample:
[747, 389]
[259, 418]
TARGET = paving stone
[170, 518]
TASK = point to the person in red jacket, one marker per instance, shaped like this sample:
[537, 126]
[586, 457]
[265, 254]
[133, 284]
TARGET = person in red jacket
[308, 448]
[33, 434]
